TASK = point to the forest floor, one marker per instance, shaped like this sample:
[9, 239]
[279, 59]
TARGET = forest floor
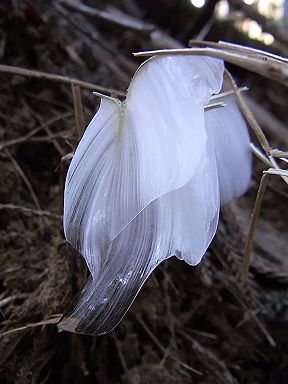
[188, 325]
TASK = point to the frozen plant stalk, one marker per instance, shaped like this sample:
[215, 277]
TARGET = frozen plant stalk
[147, 180]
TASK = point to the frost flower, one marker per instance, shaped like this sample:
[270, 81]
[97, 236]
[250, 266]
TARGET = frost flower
[147, 181]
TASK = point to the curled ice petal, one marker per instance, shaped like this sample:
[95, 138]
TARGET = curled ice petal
[143, 185]
[228, 131]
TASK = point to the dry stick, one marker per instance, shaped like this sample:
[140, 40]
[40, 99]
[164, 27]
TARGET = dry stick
[24, 178]
[34, 131]
[253, 225]
[57, 78]
[29, 211]
[78, 110]
[163, 349]
[248, 114]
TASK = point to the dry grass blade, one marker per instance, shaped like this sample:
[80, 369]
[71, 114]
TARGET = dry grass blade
[24, 178]
[238, 48]
[78, 110]
[261, 63]
[253, 225]
[52, 320]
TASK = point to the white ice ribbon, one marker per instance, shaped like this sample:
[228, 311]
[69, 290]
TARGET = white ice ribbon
[146, 181]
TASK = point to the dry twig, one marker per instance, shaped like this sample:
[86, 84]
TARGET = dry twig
[57, 78]
[164, 350]
[53, 320]
[33, 132]
[29, 211]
